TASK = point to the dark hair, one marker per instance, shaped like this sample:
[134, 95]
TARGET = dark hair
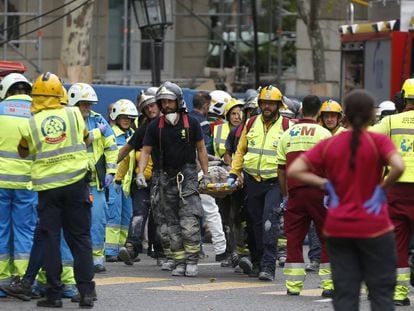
[19, 88]
[200, 98]
[359, 106]
[399, 101]
[311, 104]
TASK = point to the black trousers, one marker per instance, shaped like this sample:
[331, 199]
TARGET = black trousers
[67, 207]
[371, 260]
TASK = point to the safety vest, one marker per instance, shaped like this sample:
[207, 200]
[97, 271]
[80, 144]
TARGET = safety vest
[261, 156]
[14, 171]
[60, 157]
[121, 139]
[402, 134]
[220, 134]
[102, 145]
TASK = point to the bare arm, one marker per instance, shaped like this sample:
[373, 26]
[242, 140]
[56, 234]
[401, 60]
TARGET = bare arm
[202, 156]
[281, 173]
[397, 168]
[300, 171]
[123, 152]
[143, 159]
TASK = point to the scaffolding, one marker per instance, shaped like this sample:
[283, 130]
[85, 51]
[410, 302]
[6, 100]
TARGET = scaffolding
[14, 44]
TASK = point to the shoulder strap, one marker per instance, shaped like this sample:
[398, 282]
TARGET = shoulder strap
[161, 122]
[250, 123]
[185, 121]
[239, 130]
[285, 123]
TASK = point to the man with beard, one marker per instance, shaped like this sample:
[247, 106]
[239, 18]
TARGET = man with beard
[256, 159]
[173, 141]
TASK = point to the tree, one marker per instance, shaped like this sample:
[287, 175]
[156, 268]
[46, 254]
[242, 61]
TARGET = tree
[309, 12]
[76, 37]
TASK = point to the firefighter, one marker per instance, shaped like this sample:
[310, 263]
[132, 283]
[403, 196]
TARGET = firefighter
[102, 153]
[400, 197]
[303, 203]
[256, 157]
[357, 227]
[173, 140]
[143, 209]
[55, 137]
[331, 116]
[119, 209]
[17, 200]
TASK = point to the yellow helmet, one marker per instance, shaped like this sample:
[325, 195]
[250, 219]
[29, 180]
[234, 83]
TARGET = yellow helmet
[331, 106]
[270, 92]
[47, 84]
[232, 103]
[64, 99]
[408, 88]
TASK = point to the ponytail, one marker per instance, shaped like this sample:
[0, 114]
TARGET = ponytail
[356, 133]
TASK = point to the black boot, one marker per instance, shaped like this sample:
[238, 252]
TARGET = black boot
[86, 301]
[19, 288]
[49, 303]
[127, 254]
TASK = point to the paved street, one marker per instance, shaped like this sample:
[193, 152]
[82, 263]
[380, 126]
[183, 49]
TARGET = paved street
[145, 287]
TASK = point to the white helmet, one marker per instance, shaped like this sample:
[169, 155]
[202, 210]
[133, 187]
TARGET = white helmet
[11, 79]
[219, 100]
[123, 107]
[385, 106]
[81, 92]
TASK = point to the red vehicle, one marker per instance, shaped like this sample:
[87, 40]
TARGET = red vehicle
[7, 67]
[377, 57]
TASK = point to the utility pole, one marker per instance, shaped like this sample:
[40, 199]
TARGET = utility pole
[255, 45]
[279, 31]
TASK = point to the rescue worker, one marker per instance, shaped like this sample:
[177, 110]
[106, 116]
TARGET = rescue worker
[55, 138]
[256, 158]
[143, 209]
[232, 114]
[303, 203]
[102, 153]
[331, 116]
[357, 227]
[173, 140]
[17, 200]
[22, 287]
[219, 100]
[385, 108]
[119, 209]
[211, 216]
[399, 127]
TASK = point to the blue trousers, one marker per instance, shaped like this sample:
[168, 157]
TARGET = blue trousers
[98, 225]
[17, 223]
[118, 216]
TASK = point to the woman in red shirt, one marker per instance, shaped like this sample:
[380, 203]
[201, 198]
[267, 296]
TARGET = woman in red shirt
[359, 232]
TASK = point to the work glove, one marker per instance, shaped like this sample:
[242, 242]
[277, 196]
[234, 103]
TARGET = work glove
[232, 181]
[374, 204]
[333, 200]
[118, 186]
[109, 178]
[140, 181]
[284, 203]
[102, 127]
[204, 181]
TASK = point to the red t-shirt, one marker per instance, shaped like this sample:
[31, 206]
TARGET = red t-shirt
[353, 187]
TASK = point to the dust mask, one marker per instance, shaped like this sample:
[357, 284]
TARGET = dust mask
[172, 118]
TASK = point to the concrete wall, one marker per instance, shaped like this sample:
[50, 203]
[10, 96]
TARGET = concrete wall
[191, 53]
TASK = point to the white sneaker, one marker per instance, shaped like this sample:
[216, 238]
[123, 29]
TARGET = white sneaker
[179, 270]
[168, 265]
[191, 270]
